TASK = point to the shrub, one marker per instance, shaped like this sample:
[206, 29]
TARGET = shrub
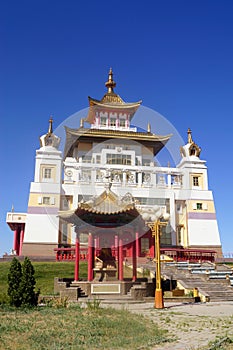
[21, 284]
[14, 279]
[27, 285]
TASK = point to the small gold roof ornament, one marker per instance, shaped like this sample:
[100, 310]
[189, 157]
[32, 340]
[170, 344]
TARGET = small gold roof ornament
[50, 139]
[110, 84]
[81, 122]
[189, 132]
[148, 128]
[50, 131]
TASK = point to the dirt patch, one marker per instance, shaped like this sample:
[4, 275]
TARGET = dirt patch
[192, 326]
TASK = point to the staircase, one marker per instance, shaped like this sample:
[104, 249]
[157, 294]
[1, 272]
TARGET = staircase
[214, 282]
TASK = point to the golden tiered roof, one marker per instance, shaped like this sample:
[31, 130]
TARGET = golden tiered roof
[74, 136]
[110, 101]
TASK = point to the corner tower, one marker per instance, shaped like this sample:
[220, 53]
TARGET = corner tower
[200, 224]
[42, 223]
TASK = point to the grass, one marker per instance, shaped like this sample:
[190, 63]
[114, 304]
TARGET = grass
[44, 274]
[76, 328]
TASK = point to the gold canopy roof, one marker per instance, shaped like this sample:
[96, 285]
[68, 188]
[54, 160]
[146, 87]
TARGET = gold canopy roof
[107, 205]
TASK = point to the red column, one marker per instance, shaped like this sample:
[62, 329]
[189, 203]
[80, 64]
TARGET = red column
[21, 240]
[90, 258]
[138, 245]
[134, 261]
[152, 246]
[15, 243]
[120, 260]
[116, 247]
[77, 252]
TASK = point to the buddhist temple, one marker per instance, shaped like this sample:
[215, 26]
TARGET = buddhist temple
[97, 196]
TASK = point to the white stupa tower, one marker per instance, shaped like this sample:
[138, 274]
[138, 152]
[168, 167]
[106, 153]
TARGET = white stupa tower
[42, 223]
[200, 220]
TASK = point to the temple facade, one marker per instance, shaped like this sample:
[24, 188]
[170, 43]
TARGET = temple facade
[108, 163]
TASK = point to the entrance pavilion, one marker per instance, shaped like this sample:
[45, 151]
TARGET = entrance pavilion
[114, 228]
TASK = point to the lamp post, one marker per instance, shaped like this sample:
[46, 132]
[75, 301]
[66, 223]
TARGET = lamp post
[156, 222]
[155, 228]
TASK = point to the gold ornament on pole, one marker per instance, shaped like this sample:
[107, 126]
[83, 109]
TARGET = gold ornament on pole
[155, 229]
[155, 223]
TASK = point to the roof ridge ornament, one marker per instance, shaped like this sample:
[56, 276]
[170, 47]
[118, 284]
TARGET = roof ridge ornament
[50, 130]
[189, 132]
[110, 84]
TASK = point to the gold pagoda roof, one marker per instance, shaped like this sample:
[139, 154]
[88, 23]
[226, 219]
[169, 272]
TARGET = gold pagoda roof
[73, 136]
[110, 101]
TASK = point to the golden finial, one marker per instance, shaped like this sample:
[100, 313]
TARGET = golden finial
[190, 140]
[110, 84]
[148, 127]
[81, 123]
[50, 131]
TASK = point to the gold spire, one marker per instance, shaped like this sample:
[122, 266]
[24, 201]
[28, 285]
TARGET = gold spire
[148, 127]
[110, 84]
[190, 140]
[50, 131]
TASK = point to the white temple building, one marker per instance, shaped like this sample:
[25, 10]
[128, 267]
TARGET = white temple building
[106, 151]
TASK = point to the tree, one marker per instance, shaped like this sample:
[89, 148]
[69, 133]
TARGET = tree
[27, 285]
[14, 280]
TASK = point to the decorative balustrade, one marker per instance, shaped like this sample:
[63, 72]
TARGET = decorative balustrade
[68, 254]
[128, 176]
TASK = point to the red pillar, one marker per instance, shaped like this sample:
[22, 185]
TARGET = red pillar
[90, 258]
[152, 246]
[77, 252]
[15, 243]
[120, 260]
[134, 260]
[21, 240]
[116, 247]
[138, 245]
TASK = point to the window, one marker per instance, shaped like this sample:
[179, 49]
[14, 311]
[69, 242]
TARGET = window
[47, 173]
[179, 208]
[46, 200]
[83, 237]
[98, 159]
[66, 203]
[86, 159]
[64, 233]
[195, 180]
[199, 206]
[165, 238]
[103, 121]
[122, 122]
[145, 246]
[118, 159]
[86, 175]
[179, 233]
[113, 121]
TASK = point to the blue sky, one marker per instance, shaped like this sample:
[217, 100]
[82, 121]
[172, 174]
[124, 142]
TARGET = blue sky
[177, 56]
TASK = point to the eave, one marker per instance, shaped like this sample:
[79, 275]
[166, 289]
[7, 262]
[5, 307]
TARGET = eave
[74, 136]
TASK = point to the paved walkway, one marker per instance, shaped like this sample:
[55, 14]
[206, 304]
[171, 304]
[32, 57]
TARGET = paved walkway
[192, 326]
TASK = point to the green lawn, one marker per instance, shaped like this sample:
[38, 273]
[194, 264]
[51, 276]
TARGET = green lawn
[71, 328]
[44, 274]
[75, 328]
